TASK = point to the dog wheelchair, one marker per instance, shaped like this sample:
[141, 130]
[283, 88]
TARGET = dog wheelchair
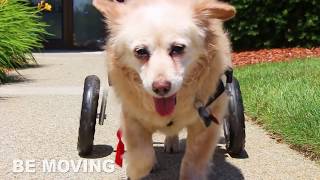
[233, 124]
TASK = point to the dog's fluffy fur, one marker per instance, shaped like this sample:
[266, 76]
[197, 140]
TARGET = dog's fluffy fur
[157, 24]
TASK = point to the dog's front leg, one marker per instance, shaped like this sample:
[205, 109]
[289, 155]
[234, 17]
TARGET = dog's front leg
[140, 154]
[201, 142]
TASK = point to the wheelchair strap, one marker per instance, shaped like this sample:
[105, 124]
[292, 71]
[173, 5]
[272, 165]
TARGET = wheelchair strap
[203, 112]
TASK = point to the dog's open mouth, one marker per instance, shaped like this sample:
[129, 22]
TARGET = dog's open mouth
[165, 106]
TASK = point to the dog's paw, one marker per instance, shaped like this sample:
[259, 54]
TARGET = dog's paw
[171, 144]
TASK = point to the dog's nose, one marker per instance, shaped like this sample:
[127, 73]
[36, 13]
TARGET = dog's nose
[161, 88]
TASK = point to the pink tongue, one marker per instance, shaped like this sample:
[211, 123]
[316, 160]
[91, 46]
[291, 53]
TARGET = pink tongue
[165, 106]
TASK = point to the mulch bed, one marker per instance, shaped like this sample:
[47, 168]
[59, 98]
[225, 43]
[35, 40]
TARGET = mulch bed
[272, 55]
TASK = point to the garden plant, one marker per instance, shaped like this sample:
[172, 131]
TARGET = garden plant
[21, 32]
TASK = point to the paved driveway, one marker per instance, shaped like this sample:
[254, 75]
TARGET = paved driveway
[39, 118]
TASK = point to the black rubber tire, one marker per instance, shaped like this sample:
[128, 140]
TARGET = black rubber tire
[88, 115]
[234, 124]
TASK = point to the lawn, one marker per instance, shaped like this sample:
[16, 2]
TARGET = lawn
[285, 98]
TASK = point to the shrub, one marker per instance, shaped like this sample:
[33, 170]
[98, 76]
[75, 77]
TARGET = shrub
[21, 31]
[275, 24]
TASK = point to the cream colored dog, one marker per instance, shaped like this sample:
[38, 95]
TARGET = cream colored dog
[163, 56]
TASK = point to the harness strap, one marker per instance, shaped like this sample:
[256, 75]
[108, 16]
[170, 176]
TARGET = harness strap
[203, 112]
[214, 96]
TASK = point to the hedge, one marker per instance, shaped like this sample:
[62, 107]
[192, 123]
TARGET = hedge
[275, 24]
[21, 31]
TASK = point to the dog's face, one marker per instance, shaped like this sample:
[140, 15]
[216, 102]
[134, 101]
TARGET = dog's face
[159, 39]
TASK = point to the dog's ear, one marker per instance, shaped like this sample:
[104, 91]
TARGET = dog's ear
[110, 9]
[214, 10]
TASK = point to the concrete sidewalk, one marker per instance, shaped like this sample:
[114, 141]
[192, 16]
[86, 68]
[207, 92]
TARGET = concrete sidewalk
[39, 119]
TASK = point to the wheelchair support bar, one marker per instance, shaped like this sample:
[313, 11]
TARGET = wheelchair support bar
[205, 115]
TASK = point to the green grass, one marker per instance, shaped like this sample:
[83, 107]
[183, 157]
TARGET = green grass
[285, 98]
[21, 31]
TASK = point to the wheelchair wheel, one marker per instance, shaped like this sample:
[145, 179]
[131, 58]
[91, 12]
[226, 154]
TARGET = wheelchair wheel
[88, 115]
[234, 123]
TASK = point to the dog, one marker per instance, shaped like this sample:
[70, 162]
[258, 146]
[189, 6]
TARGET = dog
[163, 56]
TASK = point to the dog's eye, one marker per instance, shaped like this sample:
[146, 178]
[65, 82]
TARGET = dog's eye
[142, 53]
[177, 49]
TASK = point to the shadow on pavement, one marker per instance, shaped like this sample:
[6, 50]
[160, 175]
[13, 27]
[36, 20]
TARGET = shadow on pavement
[169, 165]
[16, 78]
[31, 66]
[221, 169]
[3, 98]
[100, 151]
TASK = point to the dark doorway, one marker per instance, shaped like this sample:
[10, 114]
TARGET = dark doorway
[89, 29]
[73, 24]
